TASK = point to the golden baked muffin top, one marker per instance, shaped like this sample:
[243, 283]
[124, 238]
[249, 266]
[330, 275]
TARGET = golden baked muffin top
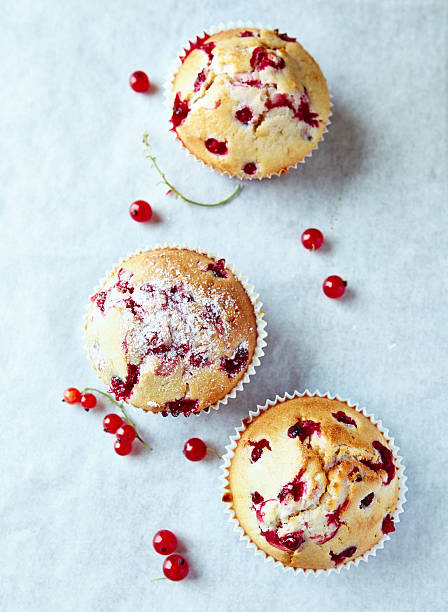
[171, 330]
[249, 102]
[313, 483]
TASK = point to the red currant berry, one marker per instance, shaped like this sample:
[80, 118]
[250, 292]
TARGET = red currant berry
[164, 542]
[140, 211]
[195, 449]
[126, 433]
[175, 568]
[88, 401]
[122, 448]
[312, 239]
[139, 81]
[334, 287]
[112, 422]
[72, 395]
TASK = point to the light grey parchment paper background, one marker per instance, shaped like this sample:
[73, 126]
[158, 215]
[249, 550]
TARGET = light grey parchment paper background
[77, 520]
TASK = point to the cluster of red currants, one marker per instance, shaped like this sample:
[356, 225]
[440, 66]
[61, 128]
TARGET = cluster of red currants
[74, 396]
[174, 567]
[333, 286]
[112, 423]
[126, 434]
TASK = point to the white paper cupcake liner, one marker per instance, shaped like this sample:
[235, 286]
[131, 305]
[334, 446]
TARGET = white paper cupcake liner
[250, 290]
[168, 105]
[225, 487]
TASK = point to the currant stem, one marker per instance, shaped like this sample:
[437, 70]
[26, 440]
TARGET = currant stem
[162, 578]
[149, 155]
[120, 406]
[213, 451]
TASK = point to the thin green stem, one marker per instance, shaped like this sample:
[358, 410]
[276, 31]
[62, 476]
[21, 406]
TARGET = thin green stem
[213, 451]
[120, 406]
[149, 155]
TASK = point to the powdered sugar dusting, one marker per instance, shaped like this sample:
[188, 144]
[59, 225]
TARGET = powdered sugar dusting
[167, 323]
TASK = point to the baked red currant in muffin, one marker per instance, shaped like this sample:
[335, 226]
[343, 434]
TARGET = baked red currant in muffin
[171, 331]
[249, 102]
[313, 483]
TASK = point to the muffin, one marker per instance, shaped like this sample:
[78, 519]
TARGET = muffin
[249, 103]
[313, 483]
[173, 330]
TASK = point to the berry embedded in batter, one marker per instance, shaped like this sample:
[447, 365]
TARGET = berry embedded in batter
[250, 168]
[366, 501]
[285, 37]
[246, 34]
[344, 418]
[257, 451]
[218, 268]
[183, 406]
[386, 463]
[295, 489]
[257, 498]
[339, 558]
[244, 115]
[122, 389]
[262, 58]
[291, 541]
[302, 112]
[180, 111]
[216, 147]
[233, 365]
[202, 76]
[304, 429]
[99, 299]
[305, 114]
[387, 526]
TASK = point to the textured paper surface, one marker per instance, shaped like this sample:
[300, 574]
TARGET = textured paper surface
[76, 520]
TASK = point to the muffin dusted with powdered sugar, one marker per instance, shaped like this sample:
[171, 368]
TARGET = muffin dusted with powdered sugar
[249, 102]
[171, 330]
[313, 483]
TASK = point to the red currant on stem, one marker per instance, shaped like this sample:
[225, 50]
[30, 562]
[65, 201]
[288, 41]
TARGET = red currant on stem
[312, 239]
[175, 568]
[112, 422]
[88, 401]
[164, 542]
[126, 433]
[140, 211]
[334, 287]
[72, 395]
[122, 448]
[139, 81]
